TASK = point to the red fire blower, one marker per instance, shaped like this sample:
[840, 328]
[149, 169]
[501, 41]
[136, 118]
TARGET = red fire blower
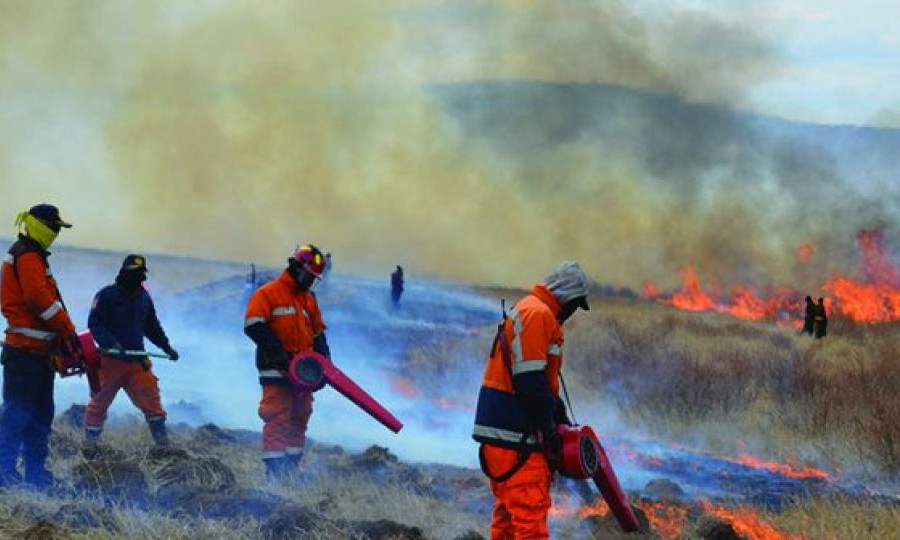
[310, 370]
[583, 457]
[72, 362]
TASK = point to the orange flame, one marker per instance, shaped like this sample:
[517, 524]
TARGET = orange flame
[691, 296]
[746, 522]
[405, 387]
[803, 471]
[667, 520]
[876, 298]
[805, 252]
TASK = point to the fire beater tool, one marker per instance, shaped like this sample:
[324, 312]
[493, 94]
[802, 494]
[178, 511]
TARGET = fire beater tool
[310, 371]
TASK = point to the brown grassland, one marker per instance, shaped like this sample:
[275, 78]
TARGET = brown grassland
[704, 380]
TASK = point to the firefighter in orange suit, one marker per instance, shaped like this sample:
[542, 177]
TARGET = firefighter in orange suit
[37, 324]
[519, 405]
[283, 319]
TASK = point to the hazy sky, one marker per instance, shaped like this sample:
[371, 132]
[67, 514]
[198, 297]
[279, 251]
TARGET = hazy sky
[237, 129]
[841, 60]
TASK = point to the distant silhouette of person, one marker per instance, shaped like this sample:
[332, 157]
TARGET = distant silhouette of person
[396, 285]
[809, 319]
[821, 319]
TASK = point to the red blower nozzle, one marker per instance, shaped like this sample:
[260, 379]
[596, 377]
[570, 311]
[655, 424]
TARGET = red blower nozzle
[310, 370]
[583, 457]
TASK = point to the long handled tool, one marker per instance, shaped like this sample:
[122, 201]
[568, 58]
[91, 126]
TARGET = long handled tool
[583, 457]
[126, 352]
[310, 371]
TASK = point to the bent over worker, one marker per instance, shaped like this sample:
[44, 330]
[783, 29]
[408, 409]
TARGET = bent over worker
[283, 319]
[519, 405]
[121, 316]
[37, 321]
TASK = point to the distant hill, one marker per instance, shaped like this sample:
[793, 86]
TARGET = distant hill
[665, 136]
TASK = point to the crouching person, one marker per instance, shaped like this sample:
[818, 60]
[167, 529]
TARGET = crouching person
[121, 316]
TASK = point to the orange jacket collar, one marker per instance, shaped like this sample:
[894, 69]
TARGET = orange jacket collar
[544, 295]
[286, 279]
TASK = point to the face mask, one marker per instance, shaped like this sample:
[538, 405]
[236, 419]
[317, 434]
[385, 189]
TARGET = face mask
[36, 229]
[567, 310]
[131, 280]
[305, 279]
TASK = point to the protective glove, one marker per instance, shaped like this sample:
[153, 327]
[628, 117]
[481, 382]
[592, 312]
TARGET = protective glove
[279, 359]
[72, 345]
[551, 444]
[559, 413]
[173, 354]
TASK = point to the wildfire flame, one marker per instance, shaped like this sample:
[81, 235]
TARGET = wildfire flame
[407, 388]
[667, 520]
[802, 471]
[805, 252]
[747, 522]
[875, 298]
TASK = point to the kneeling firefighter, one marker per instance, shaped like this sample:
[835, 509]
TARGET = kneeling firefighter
[283, 319]
[519, 405]
[38, 327]
[121, 315]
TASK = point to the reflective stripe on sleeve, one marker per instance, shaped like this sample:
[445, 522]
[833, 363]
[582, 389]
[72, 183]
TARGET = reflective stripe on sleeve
[554, 349]
[526, 366]
[501, 434]
[54, 308]
[250, 321]
[8, 258]
[279, 311]
[517, 331]
[271, 373]
[31, 332]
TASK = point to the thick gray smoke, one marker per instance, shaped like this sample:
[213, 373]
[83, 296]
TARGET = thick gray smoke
[473, 141]
[201, 306]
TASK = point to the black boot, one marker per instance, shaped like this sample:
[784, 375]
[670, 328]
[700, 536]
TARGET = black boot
[38, 477]
[10, 478]
[278, 468]
[158, 431]
[294, 460]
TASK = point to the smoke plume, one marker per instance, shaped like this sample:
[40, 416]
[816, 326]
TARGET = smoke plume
[234, 129]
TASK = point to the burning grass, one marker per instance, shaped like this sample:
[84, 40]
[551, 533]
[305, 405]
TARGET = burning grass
[682, 375]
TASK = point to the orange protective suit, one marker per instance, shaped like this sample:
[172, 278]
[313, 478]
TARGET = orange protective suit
[286, 413]
[522, 502]
[31, 302]
[140, 385]
[294, 318]
[530, 346]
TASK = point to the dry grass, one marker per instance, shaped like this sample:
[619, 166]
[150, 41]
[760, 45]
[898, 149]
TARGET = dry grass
[674, 372]
[838, 519]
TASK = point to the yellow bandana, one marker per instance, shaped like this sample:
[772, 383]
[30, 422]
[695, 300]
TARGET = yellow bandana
[35, 229]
